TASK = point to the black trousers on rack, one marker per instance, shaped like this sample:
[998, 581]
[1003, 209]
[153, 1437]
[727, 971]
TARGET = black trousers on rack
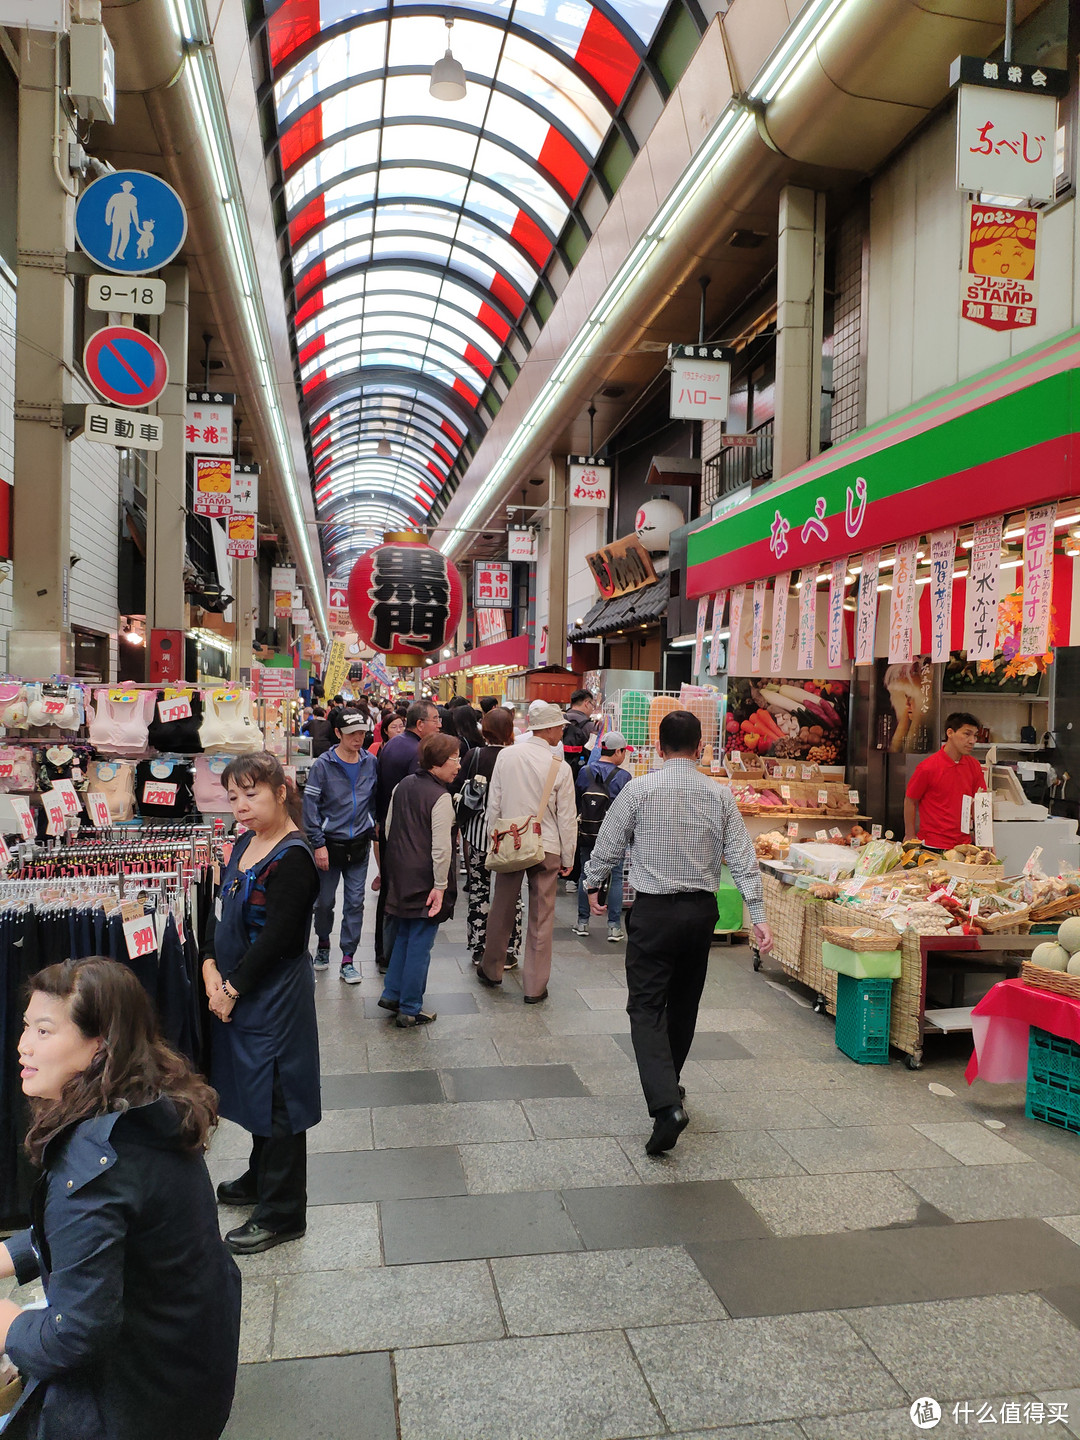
[277, 1170]
[667, 958]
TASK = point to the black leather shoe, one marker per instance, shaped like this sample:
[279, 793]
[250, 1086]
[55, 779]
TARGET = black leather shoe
[682, 1088]
[534, 999]
[667, 1127]
[391, 1005]
[250, 1239]
[486, 979]
[236, 1192]
[410, 1022]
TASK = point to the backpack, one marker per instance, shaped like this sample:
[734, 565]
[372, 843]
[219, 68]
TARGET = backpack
[594, 804]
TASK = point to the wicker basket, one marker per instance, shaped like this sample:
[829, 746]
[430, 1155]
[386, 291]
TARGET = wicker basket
[1011, 920]
[1054, 909]
[860, 937]
[1056, 980]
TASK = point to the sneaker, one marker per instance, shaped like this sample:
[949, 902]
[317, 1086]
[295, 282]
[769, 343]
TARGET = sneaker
[511, 961]
[410, 1022]
[581, 929]
[570, 888]
[322, 958]
[350, 974]
[615, 934]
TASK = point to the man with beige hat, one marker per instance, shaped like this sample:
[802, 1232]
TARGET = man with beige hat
[517, 785]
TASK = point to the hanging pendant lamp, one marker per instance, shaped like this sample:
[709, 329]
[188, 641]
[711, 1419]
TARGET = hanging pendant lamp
[447, 74]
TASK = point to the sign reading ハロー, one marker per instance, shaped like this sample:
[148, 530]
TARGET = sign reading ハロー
[700, 383]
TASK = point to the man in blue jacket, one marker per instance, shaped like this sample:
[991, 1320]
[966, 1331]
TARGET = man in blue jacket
[339, 817]
[598, 782]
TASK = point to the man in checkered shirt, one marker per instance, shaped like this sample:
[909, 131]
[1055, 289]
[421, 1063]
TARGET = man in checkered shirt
[679, 827]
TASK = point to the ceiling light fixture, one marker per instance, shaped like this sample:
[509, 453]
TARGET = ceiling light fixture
[447, 74]
[383, 448]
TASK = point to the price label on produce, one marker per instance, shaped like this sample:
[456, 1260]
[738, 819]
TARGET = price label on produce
[714, 765]
[950, 888]
[853, 796]
[1032, 860]
[973, 908]
[793, 829]
[852, 887]
[25, 816]
[159, 792]
[790, 771]
[170, 710]
[785, 792]
[836, 832]
[55, 811]
[140, 936]
[875, 832]
[807, 772]
[822, 835]
[893, 895]
[70, 795]
[936, 895]
[7, 769]
[736, 758]
[823, 797]
[97, 807]
[834, 874]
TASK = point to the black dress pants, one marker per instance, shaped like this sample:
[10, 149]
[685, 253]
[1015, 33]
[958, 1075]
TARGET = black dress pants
[667, 958]
[277, 1170]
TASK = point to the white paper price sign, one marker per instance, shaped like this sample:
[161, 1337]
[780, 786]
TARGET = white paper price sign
[836, 832]
[834, 874]
[984, 819]
[159, 792]
[140, 936]
[875, 832]
[52, 706]
[950, 888]
[56, 812]
[793, 829]
[853, 797]
[25, 816]
[789, 772]
[893, 896]
[965, 815]
[785, 792]
[97, 806]
[823, 797]
[177, 709]
[822, 835]
[70, 796]
[807, 772]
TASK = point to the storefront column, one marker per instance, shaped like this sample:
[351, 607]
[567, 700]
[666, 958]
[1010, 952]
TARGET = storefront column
[40, 643]
[244, 609]
[800, 286]
[167, 499]
[558, 492]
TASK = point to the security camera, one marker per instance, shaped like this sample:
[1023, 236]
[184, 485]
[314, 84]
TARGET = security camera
[73, 560]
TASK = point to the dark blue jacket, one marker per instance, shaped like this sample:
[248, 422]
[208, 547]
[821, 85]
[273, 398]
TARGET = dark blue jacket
[397, 758]
[598, 769]
[140, 1337]
[338, 803]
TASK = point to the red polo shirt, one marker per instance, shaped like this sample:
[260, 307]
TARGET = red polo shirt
[939, 786]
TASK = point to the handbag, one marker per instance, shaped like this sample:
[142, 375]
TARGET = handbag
[472, 797]
[518, 844]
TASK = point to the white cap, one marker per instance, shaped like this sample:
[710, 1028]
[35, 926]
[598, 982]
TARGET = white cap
[545, 716]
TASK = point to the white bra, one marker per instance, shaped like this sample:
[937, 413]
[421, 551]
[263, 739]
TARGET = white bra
[120, 726]
[37, 714]
[13, 707]
[228, 726]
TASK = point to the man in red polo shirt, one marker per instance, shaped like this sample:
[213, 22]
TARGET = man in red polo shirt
[934, 803]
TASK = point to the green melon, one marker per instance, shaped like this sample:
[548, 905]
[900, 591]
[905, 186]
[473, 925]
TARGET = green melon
[1050, 955]
[1069, 934]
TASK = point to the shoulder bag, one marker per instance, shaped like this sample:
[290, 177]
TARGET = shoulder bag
[518, 844]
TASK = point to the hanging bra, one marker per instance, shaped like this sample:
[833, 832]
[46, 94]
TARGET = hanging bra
[115, 779]
[17, 769]
[176, 737]
[119, 727]
[228, 726]
[169, 781]
[13, 707]
[210, 796]
[53, 705]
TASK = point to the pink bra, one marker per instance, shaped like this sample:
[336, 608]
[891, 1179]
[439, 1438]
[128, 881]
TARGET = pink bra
[118, 727]
[210, 794]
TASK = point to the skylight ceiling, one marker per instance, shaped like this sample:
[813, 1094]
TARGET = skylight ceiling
[417, 229]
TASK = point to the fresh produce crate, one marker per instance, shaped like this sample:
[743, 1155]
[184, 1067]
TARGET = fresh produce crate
[880, 964]
[1054, 1100]
[1053, 1055]
[863, 1010]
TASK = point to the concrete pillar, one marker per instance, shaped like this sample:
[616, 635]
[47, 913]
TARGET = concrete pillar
[245, 609]
[41, 641]
[800, 284]
[558, 493]
[166, 502]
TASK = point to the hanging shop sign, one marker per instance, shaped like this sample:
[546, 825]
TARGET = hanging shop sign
[621, 567]
[1005, 142]
[34, 14]
[781, 592]
[130, 222]
[125, 366]
[866, 608]
[336, 667]
[490, 626]
[1038, 579]
[139, 296]
[1001, 285]
[954, 457]
[700, 383]
[738, 598]
[283, 577]
[273, 682]
[837, 584]
[405, 598]
[1008, 75]
[699, 632]
[209, 422]
[942, 558]
[716, 644]
[492, 581]
[590, 483]
[282, 604]
[902, 607]
[983, 587]
[241, 525]
[106, 426]
[337, 605]
[807, 616]
[522, 544]
[757, 630]
[213, 476]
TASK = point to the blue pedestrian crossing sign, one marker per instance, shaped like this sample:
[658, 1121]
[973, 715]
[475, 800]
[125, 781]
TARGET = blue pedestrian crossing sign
[130, 222]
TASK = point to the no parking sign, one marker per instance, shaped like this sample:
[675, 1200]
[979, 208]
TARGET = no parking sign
[126, 366]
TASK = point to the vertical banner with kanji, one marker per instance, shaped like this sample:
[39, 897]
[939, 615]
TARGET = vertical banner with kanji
[1038, 579]
[837, 585]
[983, 582]
[807, 615]
[699, 632]
[760, 587]
[719, 604]
[866, 608]
[213, 484]
[902, 609]
[738, 595]
[781, 590]
[942, 557]
[244, 508]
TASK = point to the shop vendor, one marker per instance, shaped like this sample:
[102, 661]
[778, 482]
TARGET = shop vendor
[934, 809]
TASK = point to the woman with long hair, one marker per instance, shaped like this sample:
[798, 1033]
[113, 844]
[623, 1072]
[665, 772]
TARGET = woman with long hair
[497, 730]
[390, 724]
[142, 1327]
[260, 983]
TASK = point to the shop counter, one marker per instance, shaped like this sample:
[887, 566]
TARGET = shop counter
[1000, 1024]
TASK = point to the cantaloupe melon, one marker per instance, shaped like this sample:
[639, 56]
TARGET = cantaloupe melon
[1050, 955]
[1069, 934]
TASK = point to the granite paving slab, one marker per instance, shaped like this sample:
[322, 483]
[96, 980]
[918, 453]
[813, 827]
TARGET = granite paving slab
[318, 1399]
[897, 1424]
[567, 1119]
[862, 1147]
[256, 1319]
[727, 1155]
[462, 1123]
[831, 1204]
[987, 1192]
[475, 1227]
[972, 1144]
[410, 1087]
[449, 1003]
[346, 1177]
[872, 1106]
[340, 1130]
[707, 1046]
[511, 1082]
[544, 1164]
[641, 1215]
[1068, 1225]
[339, 1237]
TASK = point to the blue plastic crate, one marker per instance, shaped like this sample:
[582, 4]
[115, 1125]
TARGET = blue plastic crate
[1053, 1054]
[863, 1009]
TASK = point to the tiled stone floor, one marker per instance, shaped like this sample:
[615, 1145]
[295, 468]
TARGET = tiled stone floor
[491, 1255]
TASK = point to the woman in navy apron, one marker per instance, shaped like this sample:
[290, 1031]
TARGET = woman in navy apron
[261, 987]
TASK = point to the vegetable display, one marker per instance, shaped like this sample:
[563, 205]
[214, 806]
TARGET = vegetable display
[788, 719]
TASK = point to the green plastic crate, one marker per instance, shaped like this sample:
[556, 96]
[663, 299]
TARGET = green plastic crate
[863, 1009]
[1053, 1054]
[1053, 1082]
[861, 964]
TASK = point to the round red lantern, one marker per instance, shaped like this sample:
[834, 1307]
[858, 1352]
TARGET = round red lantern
[405, 598]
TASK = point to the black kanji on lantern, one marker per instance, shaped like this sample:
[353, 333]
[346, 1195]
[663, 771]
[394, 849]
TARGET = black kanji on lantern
[410, 592]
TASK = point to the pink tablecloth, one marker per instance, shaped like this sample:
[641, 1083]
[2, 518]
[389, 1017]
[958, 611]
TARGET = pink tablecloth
[1000, 1023]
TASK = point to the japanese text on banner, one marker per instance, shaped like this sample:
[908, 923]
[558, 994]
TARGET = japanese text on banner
[866, 608]
[807, 615]
[781, 590]
[719, 604]
[942, 557]
[837, 582]
[738, 595]
[1038, 579]
[760, 587]
[213, 485]
[902, 609]
[699, 632]
[980, 637]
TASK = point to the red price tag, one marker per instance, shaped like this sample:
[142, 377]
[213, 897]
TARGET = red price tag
[54, 707]
[5, 853]
[7, 769]
[25, 816]
[139, 936]
[55, 810]
[159, 792]
[70, 796]
[169, 710]
[98, 807]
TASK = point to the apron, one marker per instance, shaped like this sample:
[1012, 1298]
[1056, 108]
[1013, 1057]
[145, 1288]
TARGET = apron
[272, 1027]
